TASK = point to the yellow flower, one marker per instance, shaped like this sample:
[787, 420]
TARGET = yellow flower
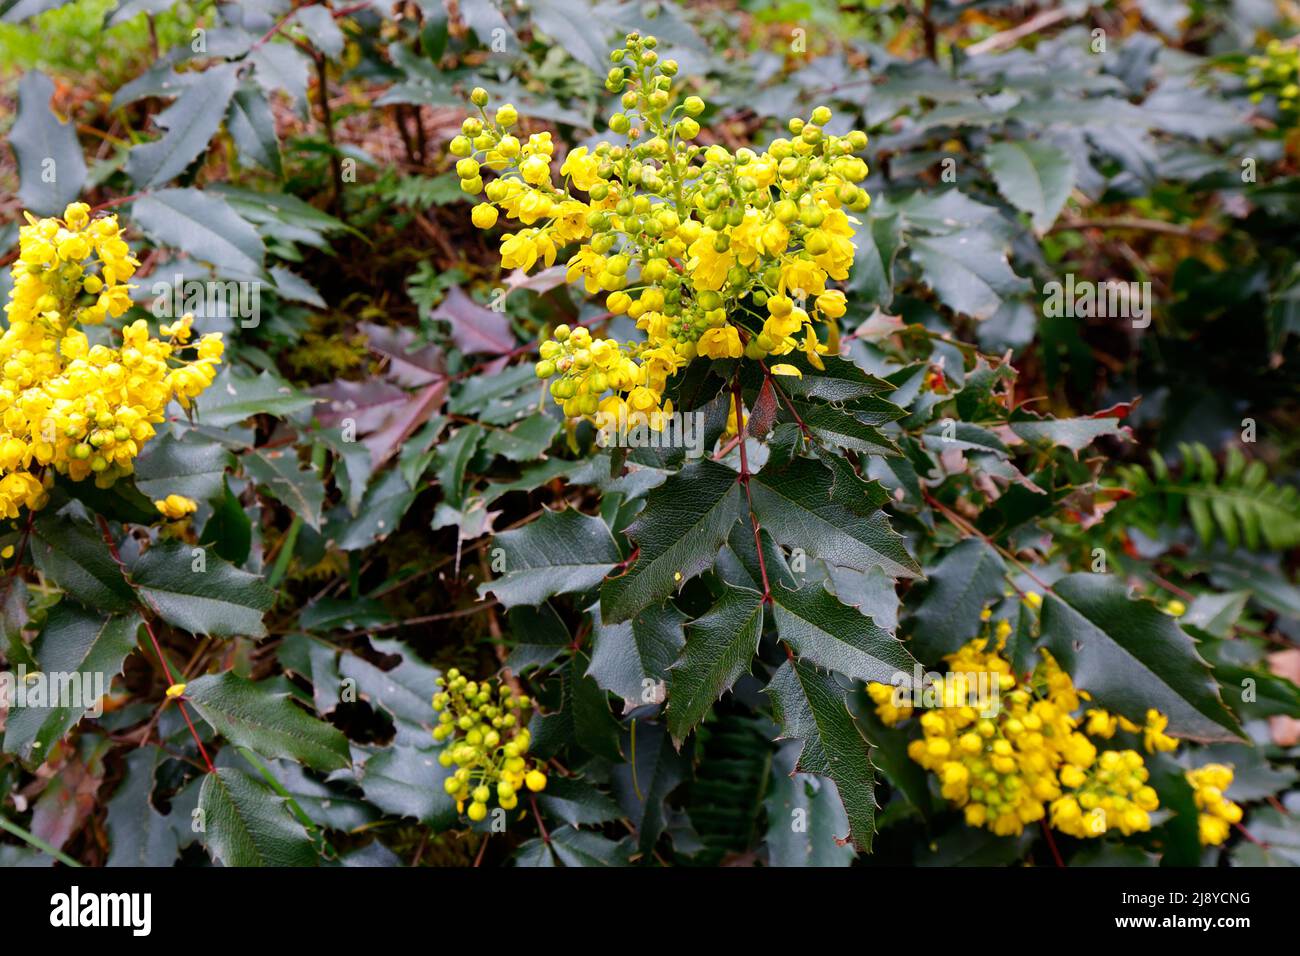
[1217, 812]
[176, 507]
[832, 304]
[581, 168]
[760, 223]
[721, 343]
[709, 269]
[1153, 736]
[1023, 760]
[518, 251]
[69, 408]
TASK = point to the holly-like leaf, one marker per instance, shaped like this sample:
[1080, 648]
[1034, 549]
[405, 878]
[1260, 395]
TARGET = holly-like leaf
[487, 22]
[577, 802]
[1072, 433]
[318, 23]
[685, 522]
[810, 706]
[642, 784]
[540, 637]
[963, 436]
[1131, 657]
[968, 270]
[454, 456]
[804, 506]
[403, 691]
[562, 552]
[967, 578]
[229, 531]
[207, 597]
[409, 782]
[526, 440]
[385, 503]
[628, 655]
[889, 753]
[836, 636]
[475, 328]
[300, 488]
[191, 466]
[246, 824]
[251, 715]
[815, 802]
[720, 648]
[844, 429]
[74, 556]
[252, 126]
[577, 30]
[1035, 177]
[51, 170]
[232, 398]
[839, 380]
[584, 717]
[203, 225]
[878, 244]
[190, 124]
[138, 834]
[281, 68]
[88, 649]
[569, 846]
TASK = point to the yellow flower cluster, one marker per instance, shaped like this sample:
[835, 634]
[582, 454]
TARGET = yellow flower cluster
[710, 251]
[67, 406]
[490, 744]
[1010, 754]
[1276, 71]
[1217, 812]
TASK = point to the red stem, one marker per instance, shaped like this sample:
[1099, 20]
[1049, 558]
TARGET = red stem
[1051, 842]
[153, 638]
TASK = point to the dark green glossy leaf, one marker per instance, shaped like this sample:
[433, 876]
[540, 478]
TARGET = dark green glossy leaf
[1132, 657]
[74, 556]
[685, 522]
[246, 824]
[251, 715]
[51, 170]
[82, 652]
[562, 552]
[810, 706]
[202, 593]
[631, 659]
[968, 578]
[720, 647]
[804, 507]
[835, 636]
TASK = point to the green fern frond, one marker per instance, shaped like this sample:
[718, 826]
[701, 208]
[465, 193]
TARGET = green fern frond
[1237, 503]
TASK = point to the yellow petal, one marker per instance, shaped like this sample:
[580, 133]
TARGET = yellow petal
[784, 369]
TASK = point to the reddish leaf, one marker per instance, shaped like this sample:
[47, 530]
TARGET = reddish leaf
[473, 327]
[763, 415]
[403, 422]
[67, 801]
[405, 367]
[1118, 410]
[370, 403]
